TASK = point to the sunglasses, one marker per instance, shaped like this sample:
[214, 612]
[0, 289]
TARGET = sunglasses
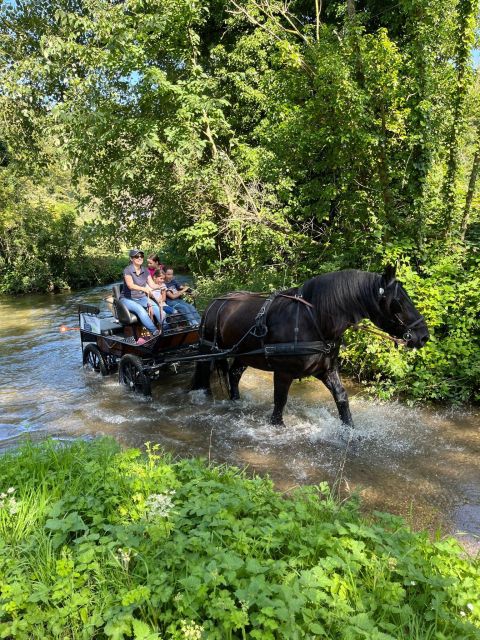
[139, 255]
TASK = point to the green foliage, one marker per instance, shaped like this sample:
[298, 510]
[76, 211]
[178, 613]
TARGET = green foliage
[96, 542]
[43, 244]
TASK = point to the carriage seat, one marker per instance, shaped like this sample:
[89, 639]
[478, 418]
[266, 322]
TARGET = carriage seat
[120, 311]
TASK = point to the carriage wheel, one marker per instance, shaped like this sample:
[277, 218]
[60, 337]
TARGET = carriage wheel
[131, 374]
[94, 360]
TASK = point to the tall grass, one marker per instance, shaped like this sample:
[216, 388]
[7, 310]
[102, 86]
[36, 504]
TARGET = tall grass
[104, 543]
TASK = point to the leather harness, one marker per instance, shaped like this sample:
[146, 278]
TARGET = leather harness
[260, 329]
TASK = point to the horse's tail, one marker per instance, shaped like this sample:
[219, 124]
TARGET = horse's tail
[222, 373]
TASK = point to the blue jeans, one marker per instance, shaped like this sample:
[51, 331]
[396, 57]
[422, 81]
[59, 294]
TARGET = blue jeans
[188, 310]
[139, 308]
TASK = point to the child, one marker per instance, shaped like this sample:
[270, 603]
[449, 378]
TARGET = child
[160, 293]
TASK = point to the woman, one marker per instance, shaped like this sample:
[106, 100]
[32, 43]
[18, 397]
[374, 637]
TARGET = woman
[153, 263]
[136, 293]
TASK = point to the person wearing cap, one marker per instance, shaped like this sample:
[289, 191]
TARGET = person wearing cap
[137, 289]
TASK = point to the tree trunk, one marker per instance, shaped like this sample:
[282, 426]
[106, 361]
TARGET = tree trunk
[471, 190]
[465, 37]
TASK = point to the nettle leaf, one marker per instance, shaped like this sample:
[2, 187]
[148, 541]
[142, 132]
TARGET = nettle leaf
[142, 631]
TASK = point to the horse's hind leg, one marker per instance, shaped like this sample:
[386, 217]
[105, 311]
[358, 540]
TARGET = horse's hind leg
[234, 374]
[201, 377]
[331, 379]
[281, 386]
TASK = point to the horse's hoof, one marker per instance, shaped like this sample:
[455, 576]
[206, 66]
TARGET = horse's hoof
[236, 396]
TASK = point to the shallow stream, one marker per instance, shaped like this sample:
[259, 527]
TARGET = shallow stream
[421, 463]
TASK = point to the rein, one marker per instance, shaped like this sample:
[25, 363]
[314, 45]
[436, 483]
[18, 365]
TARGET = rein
[378, 333]
[243, 295]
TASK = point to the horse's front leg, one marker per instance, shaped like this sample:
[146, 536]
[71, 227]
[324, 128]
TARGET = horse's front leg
[281, 386]
[331, 379]
[234, 374]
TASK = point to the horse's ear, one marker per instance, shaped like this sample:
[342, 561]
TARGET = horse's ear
[388, 276]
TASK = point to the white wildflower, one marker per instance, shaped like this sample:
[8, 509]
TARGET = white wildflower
[413, 583]
[13, 506]
[124, 556]
[159, 504]
[463, 614]
[191, 630]
[8, 502]
[470, 606]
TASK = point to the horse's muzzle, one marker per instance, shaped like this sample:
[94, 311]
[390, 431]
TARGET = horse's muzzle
[417, 340]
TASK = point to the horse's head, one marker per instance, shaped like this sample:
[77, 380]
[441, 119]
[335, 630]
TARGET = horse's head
[398, 315]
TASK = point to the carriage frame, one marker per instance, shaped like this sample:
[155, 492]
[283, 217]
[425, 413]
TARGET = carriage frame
[108, 345]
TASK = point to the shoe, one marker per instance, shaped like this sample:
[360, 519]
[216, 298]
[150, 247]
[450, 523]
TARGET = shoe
[141, 341]
[156, 333]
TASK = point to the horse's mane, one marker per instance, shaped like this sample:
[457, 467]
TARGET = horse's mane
[340, 296]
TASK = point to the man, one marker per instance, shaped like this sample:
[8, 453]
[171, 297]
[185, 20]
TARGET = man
[175, 291]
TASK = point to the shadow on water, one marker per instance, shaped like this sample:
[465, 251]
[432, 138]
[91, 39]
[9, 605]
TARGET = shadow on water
[420, 463]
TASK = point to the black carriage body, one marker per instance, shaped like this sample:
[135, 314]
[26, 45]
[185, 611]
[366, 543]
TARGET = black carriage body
[107, 343]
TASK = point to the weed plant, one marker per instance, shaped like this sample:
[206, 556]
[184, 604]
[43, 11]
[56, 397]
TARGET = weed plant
[99, 542]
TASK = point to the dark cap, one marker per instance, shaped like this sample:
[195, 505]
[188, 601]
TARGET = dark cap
[134, 252]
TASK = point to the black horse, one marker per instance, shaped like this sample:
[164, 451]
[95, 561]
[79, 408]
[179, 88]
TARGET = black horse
[297, 332]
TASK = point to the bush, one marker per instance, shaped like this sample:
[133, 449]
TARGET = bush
[101, 543]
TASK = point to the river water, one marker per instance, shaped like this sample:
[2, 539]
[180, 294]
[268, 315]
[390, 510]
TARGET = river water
[421, 463]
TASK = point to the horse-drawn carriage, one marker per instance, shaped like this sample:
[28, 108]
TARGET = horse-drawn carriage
[293, 333]
[111, 340]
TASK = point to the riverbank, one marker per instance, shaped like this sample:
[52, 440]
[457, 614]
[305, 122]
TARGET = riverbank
[103, 542]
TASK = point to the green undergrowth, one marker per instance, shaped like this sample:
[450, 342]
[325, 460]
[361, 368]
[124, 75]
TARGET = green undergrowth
[99, 542]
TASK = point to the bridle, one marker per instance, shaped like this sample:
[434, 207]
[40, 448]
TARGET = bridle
[407, 327]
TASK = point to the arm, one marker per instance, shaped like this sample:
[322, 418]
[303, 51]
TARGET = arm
[151, 283]
[173, 295]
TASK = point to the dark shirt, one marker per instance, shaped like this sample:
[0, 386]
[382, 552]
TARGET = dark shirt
[140, 280]
[174, 284]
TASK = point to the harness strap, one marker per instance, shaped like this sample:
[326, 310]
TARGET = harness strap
[260, 329]
[242, 295]
[267, 350]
